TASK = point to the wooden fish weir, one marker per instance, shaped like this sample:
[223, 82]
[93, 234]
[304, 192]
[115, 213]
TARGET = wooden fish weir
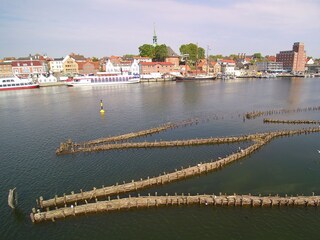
[199, 169]
[255, 114]
[70, 147]
[267, 120]
[160, 201]
[166, 144]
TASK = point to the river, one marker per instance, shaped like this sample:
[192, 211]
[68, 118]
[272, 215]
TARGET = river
[34, 122]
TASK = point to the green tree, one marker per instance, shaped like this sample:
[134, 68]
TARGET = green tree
[233, 56]
[161, 52]
[128, 56]
[147, 50]
[95, 59]
[257, 55]
[193, 50]
[215, 57]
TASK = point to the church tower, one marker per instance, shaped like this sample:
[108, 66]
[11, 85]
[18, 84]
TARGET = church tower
[155, 38]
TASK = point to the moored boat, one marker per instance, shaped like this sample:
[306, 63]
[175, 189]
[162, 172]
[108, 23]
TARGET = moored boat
[195, 77]
[104, 80]
[15, 83]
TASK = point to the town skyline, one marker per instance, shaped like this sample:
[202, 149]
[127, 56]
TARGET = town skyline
[103, 28]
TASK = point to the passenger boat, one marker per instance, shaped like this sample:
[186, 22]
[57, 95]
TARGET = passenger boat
[15, 83]
[104, 80]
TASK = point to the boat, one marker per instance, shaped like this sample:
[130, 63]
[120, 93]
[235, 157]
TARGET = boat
[15, 83]
[195, 77]
[104, 80]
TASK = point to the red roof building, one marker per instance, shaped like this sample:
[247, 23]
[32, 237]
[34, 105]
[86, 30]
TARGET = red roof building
[27, 67]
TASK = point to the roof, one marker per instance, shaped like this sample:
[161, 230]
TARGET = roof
[156, 63]
[26, 62]
[171, 53]
[227, 61]
[272, 58]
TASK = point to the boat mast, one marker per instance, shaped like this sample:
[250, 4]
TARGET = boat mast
[197, 60]
[208, 48]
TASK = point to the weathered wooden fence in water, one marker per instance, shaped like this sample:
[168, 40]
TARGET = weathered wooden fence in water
[268, 120]
[164, 144]
[70, 147]
[199, 169]
[255, 114]
[159, 201]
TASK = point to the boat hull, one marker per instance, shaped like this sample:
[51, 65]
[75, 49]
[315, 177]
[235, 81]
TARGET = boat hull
[180, 79]
[19, 87]
[103, 81]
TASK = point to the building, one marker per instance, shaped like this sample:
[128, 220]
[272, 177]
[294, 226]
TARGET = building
[70, 66]
[56, 65]
[227, 67]
[214, 68]
[124, 67]
[5, 69]
[88, 67]
[27, 67]
[294, 60]
[156, 69]
[271, 67]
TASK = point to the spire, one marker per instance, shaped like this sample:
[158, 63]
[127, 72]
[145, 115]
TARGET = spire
[155, 39]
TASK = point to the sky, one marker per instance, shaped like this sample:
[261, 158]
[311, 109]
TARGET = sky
[117, 27]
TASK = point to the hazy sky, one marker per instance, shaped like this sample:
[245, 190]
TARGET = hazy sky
[116, 27]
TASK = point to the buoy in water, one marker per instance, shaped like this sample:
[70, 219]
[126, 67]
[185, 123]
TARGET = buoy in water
[101, 107]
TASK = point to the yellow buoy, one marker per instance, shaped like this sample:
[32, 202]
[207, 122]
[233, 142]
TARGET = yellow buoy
[101, 107]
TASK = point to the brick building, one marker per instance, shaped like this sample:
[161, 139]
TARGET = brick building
[5, 69]
[293, 60]
[147, 68]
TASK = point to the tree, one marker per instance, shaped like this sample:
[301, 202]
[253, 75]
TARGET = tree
[194, 52]
[128, 56]
[95, 59]
[147, 50]
[257, 56]
[215, 57]
[233, 56]
[161, 52]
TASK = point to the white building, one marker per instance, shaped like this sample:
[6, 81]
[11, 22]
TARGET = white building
[122, 68]
[56, 66]
[227, 67]
[269, 67]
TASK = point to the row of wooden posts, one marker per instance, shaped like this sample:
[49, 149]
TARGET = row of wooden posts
[268, 120]
[112, 142]
[158, 201]
[71, 147]
[255, 114]
[95, 194]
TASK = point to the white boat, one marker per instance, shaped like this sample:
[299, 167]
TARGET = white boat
[15, 83]
[104, 80]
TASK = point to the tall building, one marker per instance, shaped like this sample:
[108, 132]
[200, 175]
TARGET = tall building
[294, 60]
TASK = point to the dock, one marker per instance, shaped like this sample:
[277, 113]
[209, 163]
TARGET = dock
[141, 202]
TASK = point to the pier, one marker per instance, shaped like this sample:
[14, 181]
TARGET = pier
[201, 168]
[161, 201]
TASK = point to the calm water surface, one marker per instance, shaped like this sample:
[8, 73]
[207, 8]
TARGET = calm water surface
[34, 122]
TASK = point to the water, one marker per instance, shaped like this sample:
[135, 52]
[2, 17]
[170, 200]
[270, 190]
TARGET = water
[34, 122]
